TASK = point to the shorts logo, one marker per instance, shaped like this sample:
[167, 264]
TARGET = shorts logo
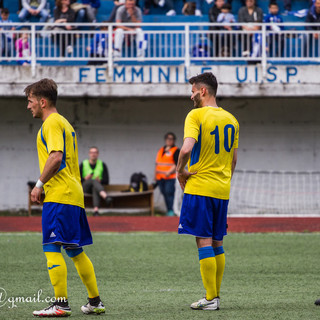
[52, 235]
[180, 226]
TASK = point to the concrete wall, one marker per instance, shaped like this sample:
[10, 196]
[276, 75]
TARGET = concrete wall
[275, 134]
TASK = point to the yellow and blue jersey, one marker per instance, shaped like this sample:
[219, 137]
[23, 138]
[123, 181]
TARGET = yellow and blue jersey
[216, 132]
[56, 134]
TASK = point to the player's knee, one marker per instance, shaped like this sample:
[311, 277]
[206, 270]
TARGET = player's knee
[74, 252]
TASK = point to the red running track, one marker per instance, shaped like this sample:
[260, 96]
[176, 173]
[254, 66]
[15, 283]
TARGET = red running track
[169, 224]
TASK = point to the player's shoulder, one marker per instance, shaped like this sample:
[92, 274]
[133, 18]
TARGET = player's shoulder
[230, 116]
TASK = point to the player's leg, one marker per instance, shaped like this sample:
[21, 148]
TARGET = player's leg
[219, 231]
[200, 225]
[58, 275]
[86, 272]
[208, 269]
[220, 261]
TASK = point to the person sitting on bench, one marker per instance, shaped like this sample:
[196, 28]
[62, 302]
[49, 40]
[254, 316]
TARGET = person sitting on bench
[94, 174]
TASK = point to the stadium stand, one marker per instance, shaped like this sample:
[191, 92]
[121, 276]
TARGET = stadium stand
[157, 15]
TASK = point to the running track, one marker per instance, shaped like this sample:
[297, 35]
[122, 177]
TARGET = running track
[169, 224]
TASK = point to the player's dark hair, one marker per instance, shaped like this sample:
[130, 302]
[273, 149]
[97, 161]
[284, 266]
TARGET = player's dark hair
[170, 134]
[45, 88]
[94, 147]
[208, 79]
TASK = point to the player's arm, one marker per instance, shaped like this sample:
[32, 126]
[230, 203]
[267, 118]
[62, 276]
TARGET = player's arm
[234, 161]
[50, 169]
[184, 155]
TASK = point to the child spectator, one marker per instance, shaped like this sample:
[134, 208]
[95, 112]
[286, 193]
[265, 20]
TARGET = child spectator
[274, 38]
[23, 49]
[226, 17]
[6, 44]
[99, 46]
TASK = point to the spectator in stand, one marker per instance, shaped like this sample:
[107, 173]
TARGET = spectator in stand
[225, 16]
[249, 14]
[23, 49]
[161, 3]
[33, 8]
[129, 12]
[64, 14]
[214, 12]
[313, 39]
[94, 174]
[99, 46]
[275, 38]
[89, 13]
[165, 170]
[6, 44]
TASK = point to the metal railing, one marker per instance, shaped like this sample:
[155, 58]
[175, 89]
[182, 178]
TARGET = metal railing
[185, 43]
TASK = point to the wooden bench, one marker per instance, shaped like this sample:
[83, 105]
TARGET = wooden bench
[121, 201]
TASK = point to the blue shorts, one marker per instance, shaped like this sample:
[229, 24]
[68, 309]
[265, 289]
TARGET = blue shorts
[65, 224]
[203, 217]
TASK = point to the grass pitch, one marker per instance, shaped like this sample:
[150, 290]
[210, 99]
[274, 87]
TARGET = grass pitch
[156, 276]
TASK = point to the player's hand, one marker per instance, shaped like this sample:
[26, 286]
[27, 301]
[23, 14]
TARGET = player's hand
[36, 194]
[98, 179]
[183, 177]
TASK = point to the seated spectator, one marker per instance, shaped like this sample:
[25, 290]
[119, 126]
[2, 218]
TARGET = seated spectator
[313, 39]
[214, 12]
[161, 3]
[274, 39]
[6, 44]
[64, 14]
[117, 5]
[33, 8]
[225, 16]
[129, 12]
[23, 49]
[89, 12]
[99, 46]
[94, 174]
[165, 170]
[249, 14]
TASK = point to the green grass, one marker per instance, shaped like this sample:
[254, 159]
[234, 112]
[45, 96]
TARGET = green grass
[156, 276]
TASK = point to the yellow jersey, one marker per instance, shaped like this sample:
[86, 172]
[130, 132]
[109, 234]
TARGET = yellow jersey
[57, 134]
[216, 132]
